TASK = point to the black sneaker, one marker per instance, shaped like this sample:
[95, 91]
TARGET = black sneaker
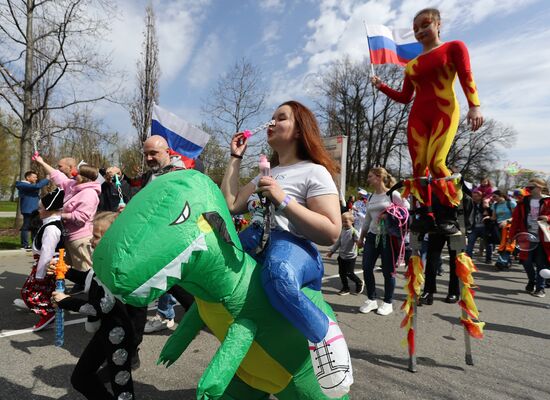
[539, 293]
[360, 287]
[343, 292]
[530, 288]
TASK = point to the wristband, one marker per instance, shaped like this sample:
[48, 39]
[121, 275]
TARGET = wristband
[284, 203]
[236, 156]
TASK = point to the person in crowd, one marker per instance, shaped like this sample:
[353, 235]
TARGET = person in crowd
[486, 188]
[346, 245]
[502, 208]
[109, 199]
[29, 195]
[349, 203]
[116, 340]
[534, 207]
[68, 167]
[359, 209]
[305, 209]
[431, 127]
[81, 198]
[159, 161]
[479, 215]
[379, 244]
[38, 287]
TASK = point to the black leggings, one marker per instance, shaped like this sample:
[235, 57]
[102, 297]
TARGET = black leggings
[346, 269]
[107, 344]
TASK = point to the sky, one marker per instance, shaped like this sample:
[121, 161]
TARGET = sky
[200, 40]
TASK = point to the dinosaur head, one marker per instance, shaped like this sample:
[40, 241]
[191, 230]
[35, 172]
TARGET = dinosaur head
[176, 230]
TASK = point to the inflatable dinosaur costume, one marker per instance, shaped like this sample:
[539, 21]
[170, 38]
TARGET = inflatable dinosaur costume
[178, 231]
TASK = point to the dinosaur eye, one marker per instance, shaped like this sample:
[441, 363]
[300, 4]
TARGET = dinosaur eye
[183, 216]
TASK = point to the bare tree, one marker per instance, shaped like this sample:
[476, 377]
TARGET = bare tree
[148, 73]
[48, 50]
[235, 102]
[374, 124]
[475, 154]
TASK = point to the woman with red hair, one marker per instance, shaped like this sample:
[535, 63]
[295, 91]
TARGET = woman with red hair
[304, 210]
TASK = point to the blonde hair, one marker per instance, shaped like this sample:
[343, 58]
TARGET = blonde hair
[348, 215]
[541, 183]
[105, 217]
[386, 177]
[88, 173]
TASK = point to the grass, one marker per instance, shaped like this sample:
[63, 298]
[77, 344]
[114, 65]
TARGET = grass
[7, 223]
[8, 206]
[9, 242]
[9, 237]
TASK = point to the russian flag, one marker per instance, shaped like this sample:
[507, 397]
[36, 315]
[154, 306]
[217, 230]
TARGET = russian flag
[182, 137]
[392, 46]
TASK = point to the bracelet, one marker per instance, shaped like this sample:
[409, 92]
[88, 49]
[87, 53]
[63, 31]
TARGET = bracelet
[284, 203]
[236, 156]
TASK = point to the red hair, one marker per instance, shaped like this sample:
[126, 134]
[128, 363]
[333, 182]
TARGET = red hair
[310, 145]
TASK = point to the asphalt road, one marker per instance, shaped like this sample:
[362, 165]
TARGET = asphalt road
[511, 362]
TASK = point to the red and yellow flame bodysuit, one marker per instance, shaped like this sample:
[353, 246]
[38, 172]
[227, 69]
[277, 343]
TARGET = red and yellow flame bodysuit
[434, 115]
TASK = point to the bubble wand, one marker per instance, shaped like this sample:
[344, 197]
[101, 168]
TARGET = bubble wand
[35, 138]
[118, 185]
[247, 133]
[60, 271]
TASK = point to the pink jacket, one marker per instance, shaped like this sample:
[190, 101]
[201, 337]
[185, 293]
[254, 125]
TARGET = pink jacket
[79, 205]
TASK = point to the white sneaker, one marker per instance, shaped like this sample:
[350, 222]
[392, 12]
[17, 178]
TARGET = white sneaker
[385, 309]
[157, 323]
[332, 362]
[20, 305]
[368, 306]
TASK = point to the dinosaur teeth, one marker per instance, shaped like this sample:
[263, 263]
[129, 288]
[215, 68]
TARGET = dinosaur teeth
[173, 269]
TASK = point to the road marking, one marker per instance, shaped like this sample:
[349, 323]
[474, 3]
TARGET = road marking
[67, 323]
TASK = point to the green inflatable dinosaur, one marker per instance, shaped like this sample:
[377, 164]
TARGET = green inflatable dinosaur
[178, 231]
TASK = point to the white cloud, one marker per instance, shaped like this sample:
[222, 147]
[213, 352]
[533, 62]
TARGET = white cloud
[294, 62]
[271, 32]
[272, 5]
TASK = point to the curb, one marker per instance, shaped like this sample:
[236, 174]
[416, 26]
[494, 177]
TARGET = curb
[14, 252]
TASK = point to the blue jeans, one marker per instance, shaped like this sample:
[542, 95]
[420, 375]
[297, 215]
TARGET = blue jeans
[165, 306]
[25, 229]
[388, 250]
[536, 261]
[479, 232]
[289, 264]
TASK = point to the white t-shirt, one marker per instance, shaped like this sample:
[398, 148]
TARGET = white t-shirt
[378, 202]
[300, 181]
[532, 225]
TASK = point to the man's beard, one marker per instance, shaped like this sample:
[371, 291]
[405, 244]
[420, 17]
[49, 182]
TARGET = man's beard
[153, 166]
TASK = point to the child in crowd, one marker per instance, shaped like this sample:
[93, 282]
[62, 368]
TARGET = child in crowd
[38, 287]
[347, 254]
[116, 340]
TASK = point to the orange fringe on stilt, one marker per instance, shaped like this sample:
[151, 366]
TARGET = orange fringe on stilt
[464, 269]
[413, 285]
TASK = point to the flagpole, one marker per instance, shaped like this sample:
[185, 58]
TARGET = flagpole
[370, 52]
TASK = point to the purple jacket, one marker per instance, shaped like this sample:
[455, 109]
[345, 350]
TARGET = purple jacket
[79, 205]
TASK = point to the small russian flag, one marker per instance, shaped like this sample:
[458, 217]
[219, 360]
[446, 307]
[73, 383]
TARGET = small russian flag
[182, 137]
[392, 46]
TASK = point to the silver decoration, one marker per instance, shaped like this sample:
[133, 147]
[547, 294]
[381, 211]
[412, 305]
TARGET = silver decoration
[87, 309]
[120, 356]
[125, 396]
[107, 303]
[116, 335]
[122, 378]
